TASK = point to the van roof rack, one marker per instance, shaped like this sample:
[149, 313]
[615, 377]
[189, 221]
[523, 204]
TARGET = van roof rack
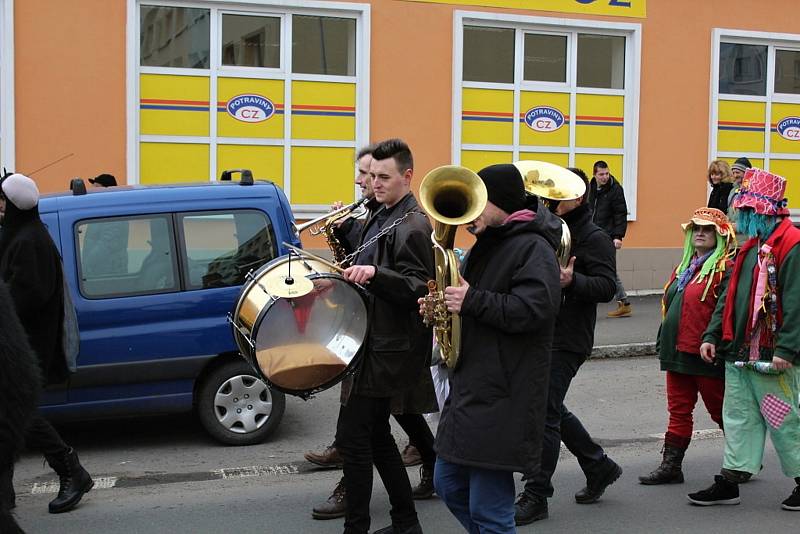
[77, 187]
[246, 178]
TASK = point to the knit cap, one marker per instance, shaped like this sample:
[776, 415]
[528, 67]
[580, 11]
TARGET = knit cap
[504, 186]
[741, 164]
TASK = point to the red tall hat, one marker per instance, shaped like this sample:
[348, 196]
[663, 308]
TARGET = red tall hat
[764, 192]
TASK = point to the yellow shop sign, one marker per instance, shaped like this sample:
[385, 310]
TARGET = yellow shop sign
[615, 8]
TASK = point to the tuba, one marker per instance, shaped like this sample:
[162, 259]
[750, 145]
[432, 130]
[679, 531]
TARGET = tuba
[326, 223]
[552, 183]
[452, 196]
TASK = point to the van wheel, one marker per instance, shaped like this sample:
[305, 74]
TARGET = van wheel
[236, 407]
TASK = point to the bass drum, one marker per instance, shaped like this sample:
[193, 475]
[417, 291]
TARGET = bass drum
[300, 325]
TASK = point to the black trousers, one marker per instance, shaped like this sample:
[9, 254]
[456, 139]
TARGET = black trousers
[41, 437]
[562, 425]
[419, 435]
[364, 438]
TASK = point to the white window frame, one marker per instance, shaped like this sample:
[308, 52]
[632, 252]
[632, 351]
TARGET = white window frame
[279, 8]
[783, 41]
[531, 24]
[7, 130]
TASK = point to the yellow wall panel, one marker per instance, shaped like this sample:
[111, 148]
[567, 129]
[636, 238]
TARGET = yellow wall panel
[550, 157]
[229, 126]
[173, 105]
[789, 169]
[266, 162]
[322, 175]
[169, 163]
[532, 134]
[476, 160]
[487, 116]
[786, 118]
[598, 121]
[585, 162]
[324, 110]
[740, 126]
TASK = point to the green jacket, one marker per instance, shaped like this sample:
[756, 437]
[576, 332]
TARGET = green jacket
[787, 338]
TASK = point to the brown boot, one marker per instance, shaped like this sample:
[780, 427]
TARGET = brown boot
[335, 506]
[624, 309]
[669, 472]
[411, 456]
[329, 458]
[424, 490]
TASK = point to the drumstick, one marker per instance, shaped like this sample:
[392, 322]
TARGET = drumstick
[300, 252]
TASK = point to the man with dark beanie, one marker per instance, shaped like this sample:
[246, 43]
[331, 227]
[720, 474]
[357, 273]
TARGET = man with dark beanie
[738, 169]
[588, 278]
[508, 299]
[31, 267]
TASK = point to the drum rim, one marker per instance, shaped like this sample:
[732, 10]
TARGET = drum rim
[349, 370]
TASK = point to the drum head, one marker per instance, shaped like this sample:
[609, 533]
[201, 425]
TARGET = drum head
[307, 343]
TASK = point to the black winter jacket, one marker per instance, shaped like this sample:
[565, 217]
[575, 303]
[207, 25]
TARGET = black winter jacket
[593, 281]
[609, 210]
[494, 415]
[31, 266]
[19, 380]
[399, 346]
[718, 198]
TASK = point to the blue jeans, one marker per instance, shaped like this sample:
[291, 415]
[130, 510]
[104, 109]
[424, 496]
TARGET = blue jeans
[481, 499]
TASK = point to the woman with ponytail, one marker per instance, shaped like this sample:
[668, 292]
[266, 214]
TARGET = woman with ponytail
[689, 300]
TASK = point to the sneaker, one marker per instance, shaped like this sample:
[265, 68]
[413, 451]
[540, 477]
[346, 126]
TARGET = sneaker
[329, 458]
[720, 492]
[411, 456]
[334, 507]
[624, 309]
[596, 486]
[793, 502]
[529, 508]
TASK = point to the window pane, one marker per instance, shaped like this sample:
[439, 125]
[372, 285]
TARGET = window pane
[174, 37]
[251, 41]
[601, 61]
[126, 257]
[323, 45]
[742, 69]
[787, 71]
[545, 58]
[488, 54]
[221, 248]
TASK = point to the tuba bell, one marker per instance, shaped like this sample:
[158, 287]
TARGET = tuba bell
[452, 196]
[552, 183]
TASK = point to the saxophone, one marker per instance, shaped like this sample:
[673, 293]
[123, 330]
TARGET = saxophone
[325, 225]
[452, 196]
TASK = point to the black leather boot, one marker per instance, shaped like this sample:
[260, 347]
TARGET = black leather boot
[425, 488]
[669, 472]
[8, 499]
[73, 478]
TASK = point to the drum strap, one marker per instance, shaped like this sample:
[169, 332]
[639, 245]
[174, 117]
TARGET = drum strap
[372, 240]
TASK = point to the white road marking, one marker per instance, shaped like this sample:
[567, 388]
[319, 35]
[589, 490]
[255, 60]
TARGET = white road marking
[52, 487]
[708, 433]
[256, 471]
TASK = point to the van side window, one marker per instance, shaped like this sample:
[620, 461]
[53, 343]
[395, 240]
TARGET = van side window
[126, 256]
[223, 246]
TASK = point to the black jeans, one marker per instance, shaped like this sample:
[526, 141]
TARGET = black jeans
[42, 437]
[419, 435]
[364, 437]
[562, 425]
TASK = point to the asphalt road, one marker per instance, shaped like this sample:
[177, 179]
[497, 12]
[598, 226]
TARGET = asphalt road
[165, 475]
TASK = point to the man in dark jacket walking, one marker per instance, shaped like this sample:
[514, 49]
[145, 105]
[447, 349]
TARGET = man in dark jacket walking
[587, 280]
[492, 421]
[610, 212]
[398, 349]
[31, 267]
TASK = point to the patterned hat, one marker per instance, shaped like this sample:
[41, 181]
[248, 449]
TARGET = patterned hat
[708, 217]
[763, 192]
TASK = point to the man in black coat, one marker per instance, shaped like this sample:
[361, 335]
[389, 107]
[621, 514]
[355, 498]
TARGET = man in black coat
[19, 388]
[610, 212]
[31, 267]
[398, 348]
[587, 280]
[492, 421]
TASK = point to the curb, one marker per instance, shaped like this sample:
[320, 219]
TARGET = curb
[625, 350]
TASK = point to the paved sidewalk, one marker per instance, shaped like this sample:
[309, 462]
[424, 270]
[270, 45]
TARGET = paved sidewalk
[628, 336]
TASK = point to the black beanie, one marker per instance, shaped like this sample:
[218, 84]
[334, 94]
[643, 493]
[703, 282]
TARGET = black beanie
[742, 164]
[504, 185]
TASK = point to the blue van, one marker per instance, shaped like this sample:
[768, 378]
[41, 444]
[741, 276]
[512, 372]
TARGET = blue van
[153, 272]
